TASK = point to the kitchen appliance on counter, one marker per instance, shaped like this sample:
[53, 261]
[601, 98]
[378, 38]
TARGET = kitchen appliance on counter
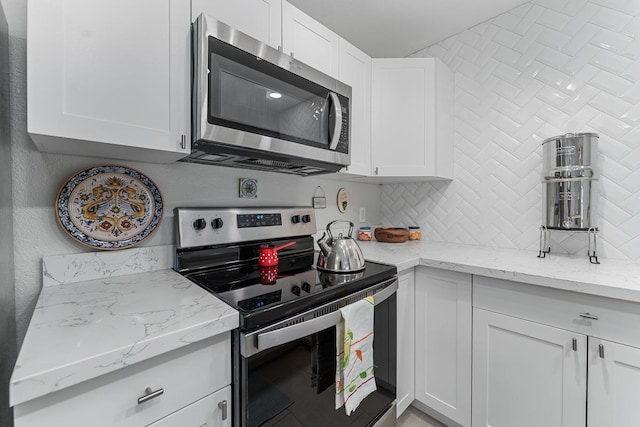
[568, 176]
[284, 352]
[258, 108]
[339, 254]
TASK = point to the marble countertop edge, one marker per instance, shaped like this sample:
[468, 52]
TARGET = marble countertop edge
[38, 384]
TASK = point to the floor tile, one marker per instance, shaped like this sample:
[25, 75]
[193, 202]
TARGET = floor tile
[412, 417]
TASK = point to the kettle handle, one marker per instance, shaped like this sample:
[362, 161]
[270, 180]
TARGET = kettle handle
[339, 220]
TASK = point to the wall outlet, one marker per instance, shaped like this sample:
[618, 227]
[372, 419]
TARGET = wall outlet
[363, 215]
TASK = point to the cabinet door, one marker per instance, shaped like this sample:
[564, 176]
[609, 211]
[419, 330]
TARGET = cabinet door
[211, 411]
[527, 374]
[309, 41]
[412, 116]
[405, 345]
[355, 70]
[260, 19]
[443, 342]
[109, 78]
[614, 384]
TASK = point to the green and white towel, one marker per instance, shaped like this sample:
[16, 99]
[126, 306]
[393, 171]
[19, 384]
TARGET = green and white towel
[355, 378]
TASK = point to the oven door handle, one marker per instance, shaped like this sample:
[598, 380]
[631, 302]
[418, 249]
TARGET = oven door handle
[266, 340]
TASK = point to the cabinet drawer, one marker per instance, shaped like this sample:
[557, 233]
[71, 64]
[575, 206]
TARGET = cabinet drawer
[617, 320]
[211, 411]
[185, 375]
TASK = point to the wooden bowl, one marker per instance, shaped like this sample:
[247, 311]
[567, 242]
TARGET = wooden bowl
[391, 234]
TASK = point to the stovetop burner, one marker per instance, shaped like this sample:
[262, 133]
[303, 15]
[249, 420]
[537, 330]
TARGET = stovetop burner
[290, 293]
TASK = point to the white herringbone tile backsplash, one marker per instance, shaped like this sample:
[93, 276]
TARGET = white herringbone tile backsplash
[543, 69]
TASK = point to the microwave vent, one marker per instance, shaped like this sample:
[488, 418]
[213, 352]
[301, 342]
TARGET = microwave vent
[268, 163]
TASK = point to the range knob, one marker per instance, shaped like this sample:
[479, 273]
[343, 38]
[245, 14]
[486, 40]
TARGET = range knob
[295, 219]
[306, 287]
[217, 223]
[200, 224]
[306, 218]
[295, 290]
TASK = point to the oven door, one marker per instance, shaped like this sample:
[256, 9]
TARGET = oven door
[285, 373]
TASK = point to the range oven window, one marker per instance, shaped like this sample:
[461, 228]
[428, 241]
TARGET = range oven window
[253, 95]
[294, 383]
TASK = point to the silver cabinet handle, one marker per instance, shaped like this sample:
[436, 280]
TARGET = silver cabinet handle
[589, 316]
[574, 344]
[183, 142]
[150, 394]
[601, 351]
[223, 408]
[337, 127]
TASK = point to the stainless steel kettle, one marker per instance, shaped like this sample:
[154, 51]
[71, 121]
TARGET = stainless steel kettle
[339, 254]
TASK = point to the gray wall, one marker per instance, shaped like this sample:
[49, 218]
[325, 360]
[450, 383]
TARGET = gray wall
[7, 299]
[38, 176]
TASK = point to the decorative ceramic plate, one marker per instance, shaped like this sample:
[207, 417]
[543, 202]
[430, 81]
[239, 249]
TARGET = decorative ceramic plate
[109, 207]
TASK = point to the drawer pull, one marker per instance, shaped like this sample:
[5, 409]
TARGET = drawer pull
[589, 316]
[223, 407]
[601, 351]
[149, 394]
[574, 344]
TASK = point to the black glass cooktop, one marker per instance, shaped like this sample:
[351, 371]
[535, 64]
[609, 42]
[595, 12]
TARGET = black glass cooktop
[264, 294]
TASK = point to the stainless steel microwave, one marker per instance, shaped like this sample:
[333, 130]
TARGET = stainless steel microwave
[256, 107]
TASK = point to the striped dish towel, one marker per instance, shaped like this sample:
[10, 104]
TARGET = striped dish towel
[354, 360]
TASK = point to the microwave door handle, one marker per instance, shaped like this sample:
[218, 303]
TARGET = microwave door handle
[337, 126]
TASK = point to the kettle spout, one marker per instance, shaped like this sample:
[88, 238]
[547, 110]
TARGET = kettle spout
[323, 245]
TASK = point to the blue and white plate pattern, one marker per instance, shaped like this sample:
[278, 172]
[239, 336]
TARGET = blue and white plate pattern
[109, 207]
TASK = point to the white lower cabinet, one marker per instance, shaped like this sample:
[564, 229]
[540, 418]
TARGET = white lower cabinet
[527, 374]
[553, 358]
[614, 384]
[406, 342]
[443, 343]
[211, 411]
[142, 393]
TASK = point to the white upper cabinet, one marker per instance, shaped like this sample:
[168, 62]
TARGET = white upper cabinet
[109, 78]
[355, 70]
[309, 41]
[412, 119]
[260, 19]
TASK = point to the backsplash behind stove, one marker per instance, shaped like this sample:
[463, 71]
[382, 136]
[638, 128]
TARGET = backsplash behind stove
[543, 69]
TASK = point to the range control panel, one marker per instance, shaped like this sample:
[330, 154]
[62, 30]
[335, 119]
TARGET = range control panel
[197, 227]
[258, 220]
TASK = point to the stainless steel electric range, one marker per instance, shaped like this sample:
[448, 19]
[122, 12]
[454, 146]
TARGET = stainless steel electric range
[284, 351]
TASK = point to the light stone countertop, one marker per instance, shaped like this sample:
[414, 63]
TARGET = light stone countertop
[612, 278]
[100, 312]
[88, 328]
